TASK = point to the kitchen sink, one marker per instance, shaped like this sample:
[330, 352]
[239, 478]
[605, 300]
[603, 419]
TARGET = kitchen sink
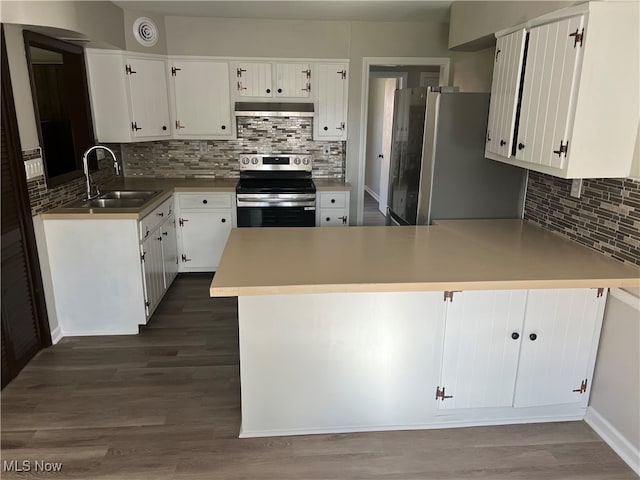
[109, 203]
[117, 199]
[129, 194]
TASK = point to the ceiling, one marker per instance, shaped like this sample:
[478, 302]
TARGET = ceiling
[340, 10]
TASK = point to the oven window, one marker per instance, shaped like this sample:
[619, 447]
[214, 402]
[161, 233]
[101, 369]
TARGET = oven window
[276, 217]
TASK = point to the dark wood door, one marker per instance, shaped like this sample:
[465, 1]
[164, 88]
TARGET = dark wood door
[24, 324]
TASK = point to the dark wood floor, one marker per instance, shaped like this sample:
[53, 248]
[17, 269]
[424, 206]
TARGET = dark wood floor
[166, 405]
[372, 215]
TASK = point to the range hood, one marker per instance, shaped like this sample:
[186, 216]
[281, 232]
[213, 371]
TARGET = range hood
[273, 109]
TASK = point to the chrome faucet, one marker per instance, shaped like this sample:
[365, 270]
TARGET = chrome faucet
[92, 188]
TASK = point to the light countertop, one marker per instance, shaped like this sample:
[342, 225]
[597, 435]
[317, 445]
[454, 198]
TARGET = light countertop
[451, 255]
[167, 186]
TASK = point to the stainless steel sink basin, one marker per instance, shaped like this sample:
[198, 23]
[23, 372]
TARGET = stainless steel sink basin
[130, 194]
[109, 203]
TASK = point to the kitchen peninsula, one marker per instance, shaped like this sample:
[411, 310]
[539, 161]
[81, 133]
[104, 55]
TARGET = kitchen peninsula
[381, 328]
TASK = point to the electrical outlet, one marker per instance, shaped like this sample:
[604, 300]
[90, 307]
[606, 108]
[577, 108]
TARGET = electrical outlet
[576, 187]
[326, 149]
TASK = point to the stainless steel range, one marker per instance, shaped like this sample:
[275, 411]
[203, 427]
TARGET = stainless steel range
[276, 190]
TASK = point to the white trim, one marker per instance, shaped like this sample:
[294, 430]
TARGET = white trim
[625, 450]
[367, 63]
[134, 331]
[372, 193]
[56, 335]
[626, 297]
[422, 426]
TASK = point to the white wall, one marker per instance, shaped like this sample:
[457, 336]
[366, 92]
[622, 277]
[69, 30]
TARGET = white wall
[471, 22]
[375, 126]
[615, 393]
[472, 72]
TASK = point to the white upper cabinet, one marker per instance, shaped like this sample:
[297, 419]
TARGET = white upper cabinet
[578, 110]
[148, 96]
[269, 80]
[201, 100]
[293, 80]
[504, 92]
[254, 80]
[128, 96]
[330, 122]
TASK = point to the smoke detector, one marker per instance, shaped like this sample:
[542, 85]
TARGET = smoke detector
[145, 31]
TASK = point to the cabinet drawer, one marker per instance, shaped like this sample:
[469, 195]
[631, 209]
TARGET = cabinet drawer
[333, 200]
[333, 218]
[149, 223]
[211, 201]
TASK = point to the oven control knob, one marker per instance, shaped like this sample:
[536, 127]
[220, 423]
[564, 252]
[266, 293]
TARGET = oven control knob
[254, 160]
[245, 160]
[296, 161]
[305, 161]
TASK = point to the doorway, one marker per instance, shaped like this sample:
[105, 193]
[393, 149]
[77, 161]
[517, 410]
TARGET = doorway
[381, 78]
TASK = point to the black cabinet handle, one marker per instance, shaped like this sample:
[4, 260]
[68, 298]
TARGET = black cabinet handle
[326, 128]
[224, 220]
[502, 143]
[161, 214]
[164, 127]
[224, 127]
[333, 200]
[165, 233]
[328, 219]
[205, 201]
[533, 337]
[515, 335]
[520, 146]
[279, 90]
[268, 90]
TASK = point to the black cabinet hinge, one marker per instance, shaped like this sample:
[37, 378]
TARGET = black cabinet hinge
[128, 70]
[578, 37]
[600, 292]
[583, 387]
[174, 70]
[448, 295]
[564, 147]
[440, 394]
[142, 255]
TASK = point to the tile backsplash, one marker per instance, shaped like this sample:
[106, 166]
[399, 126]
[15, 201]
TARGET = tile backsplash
[606, 217]
[43, 198]
[219, 158]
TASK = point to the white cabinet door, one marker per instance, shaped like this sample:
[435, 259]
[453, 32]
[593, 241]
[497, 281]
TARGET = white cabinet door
[483, 332]
[254, 79]
[169, 250]
[148, 95]
[505, 87]
[201, 99]
[330, 82]
[293, 80]
[152, 267]
[549, 93]
[559, 345]
[204, 235]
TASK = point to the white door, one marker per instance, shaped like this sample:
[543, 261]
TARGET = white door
[204, 235]
[152, 267]
[507, 72]
[559, 344]
[169, 250]
[254, 80]
[548, 93]
[331, 97]
[148, 92]
[293, 80]
[387, 131]
[483, 332]
[202, 101]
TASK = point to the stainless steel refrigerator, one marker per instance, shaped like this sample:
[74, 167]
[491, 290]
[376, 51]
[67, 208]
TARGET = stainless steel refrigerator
[437, 168]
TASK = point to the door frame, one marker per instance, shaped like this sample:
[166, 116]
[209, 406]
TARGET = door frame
[367, 62]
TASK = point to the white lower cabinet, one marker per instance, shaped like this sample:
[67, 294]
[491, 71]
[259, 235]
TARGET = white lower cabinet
[519, 348]
[332, 208]
[109, 274]
[204, 223]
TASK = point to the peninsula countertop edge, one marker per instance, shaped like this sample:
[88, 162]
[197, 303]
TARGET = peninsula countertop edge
[449, 255]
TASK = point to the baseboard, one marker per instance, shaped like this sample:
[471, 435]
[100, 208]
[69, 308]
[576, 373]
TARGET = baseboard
[612, 437]
[372, 193]
[56, 335]
[102, 333]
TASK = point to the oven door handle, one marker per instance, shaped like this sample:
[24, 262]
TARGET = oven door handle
[278, 197]
[309, 205]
